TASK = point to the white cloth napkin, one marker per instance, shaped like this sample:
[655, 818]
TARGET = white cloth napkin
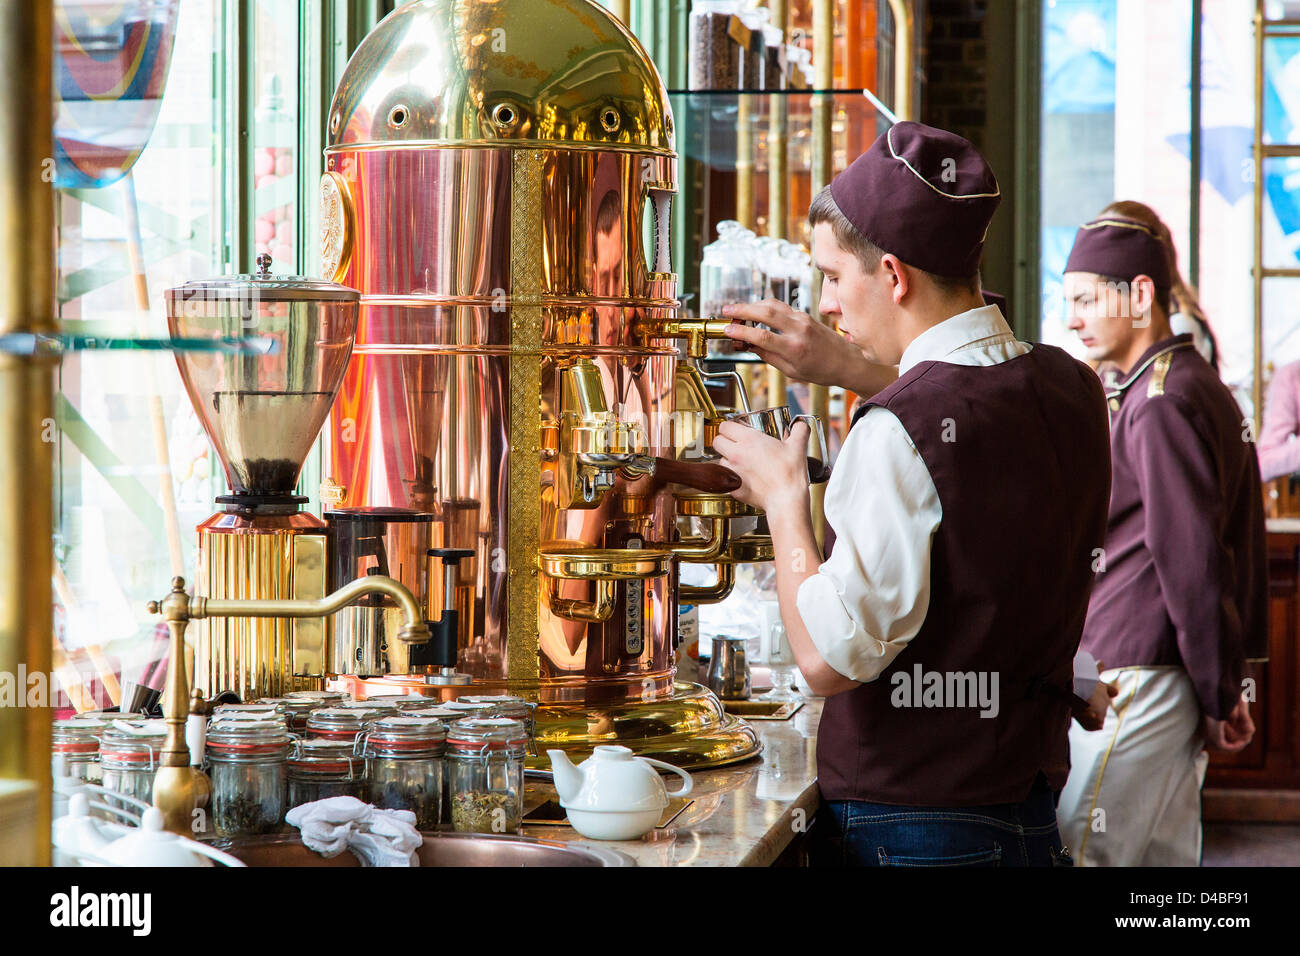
[379, 837]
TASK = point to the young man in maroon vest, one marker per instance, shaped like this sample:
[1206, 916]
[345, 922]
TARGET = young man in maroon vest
[967, 503]
[1179, 602]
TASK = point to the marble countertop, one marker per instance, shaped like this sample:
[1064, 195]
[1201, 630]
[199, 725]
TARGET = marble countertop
[743, 815]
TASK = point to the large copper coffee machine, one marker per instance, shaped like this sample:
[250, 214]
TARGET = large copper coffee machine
[262, 411]
[498, 185]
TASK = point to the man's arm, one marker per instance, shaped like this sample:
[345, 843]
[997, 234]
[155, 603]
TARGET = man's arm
[1184, 512]
[849, 618]
[805, 349]
[796, 557]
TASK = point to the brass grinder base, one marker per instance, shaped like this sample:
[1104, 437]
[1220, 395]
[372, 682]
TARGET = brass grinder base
[688, 729]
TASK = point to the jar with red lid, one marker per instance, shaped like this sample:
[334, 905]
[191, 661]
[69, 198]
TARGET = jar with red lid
[340, 723]
[505, 705]
[321, 768]
[404, 766]
[130, 752]
[485, 761]
[294, 710]
[75, 748]
[247, 758]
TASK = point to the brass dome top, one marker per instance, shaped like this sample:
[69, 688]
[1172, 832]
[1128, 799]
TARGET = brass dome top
[522, 73]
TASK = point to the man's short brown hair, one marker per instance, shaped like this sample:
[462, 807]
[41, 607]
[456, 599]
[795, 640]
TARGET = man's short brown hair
[824, 209]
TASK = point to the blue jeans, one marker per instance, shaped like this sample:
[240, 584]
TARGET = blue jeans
[858, 833]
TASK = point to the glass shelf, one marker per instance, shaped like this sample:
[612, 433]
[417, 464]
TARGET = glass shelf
[59, 344]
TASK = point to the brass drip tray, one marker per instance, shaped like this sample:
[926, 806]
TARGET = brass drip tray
[579, 563]
[763, 709]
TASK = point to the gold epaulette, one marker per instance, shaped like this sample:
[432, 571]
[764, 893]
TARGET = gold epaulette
[1158, 372]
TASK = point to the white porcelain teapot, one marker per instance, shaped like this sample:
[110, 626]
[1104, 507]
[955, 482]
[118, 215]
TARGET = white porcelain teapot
[614, 795]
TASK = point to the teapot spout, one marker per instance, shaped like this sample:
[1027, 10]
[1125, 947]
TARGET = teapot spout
[568, 778]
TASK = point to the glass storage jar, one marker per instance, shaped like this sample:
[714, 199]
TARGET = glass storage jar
[340, 723]
[415, 703]
[129, 755]
[294, 710]
[75, 743]
[259, 711]
[714, 62]
[379, 706]
[321, 768]
[247, 767]
[485, 762]
[319, 698]
[404, 766]
[516, 708]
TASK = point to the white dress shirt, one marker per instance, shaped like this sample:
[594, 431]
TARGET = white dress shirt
[870, 597]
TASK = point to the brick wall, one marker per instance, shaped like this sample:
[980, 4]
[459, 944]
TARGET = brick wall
[955, 92]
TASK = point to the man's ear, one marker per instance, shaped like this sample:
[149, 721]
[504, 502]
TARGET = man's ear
[897, 275]
[1142, 298]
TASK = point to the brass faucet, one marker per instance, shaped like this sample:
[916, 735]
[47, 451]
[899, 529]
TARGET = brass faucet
[180, 789]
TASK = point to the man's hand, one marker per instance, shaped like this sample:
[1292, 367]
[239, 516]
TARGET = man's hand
[1232, 734]
[1093, 717]
[771, 471]
[804, 349]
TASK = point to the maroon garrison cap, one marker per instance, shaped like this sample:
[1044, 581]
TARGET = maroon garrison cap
[923, 194]
[1120, 249]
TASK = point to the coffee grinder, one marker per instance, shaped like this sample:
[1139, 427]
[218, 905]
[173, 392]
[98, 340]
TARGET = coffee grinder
[262, 412]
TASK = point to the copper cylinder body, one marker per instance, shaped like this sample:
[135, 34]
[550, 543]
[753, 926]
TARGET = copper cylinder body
[424, 416]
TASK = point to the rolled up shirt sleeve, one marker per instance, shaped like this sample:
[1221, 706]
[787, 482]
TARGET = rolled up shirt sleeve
[870, 597]
[1185, 516]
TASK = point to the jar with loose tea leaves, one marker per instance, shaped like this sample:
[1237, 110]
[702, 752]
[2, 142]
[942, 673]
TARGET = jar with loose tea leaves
[321, 768]
[404, 766]
[247, 765]
[485, 760]
[129, 755]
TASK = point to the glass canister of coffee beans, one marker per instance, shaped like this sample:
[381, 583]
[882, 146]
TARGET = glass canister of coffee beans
[247, 759]
[485, 761]
[404, 766]
[320, 768]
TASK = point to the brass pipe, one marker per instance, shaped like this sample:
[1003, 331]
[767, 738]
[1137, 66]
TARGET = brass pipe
[710, 593]
[623, 10]
[572, 609]
[705, 550]
[904, 54]
[27, 433]
[823, 107]
[414, 630]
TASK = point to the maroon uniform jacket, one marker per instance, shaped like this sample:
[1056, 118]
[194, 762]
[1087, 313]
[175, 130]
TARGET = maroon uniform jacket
[1183, 579]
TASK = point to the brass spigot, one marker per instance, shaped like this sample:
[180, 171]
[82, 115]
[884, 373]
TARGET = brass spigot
[180, 789]
[696, 332]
